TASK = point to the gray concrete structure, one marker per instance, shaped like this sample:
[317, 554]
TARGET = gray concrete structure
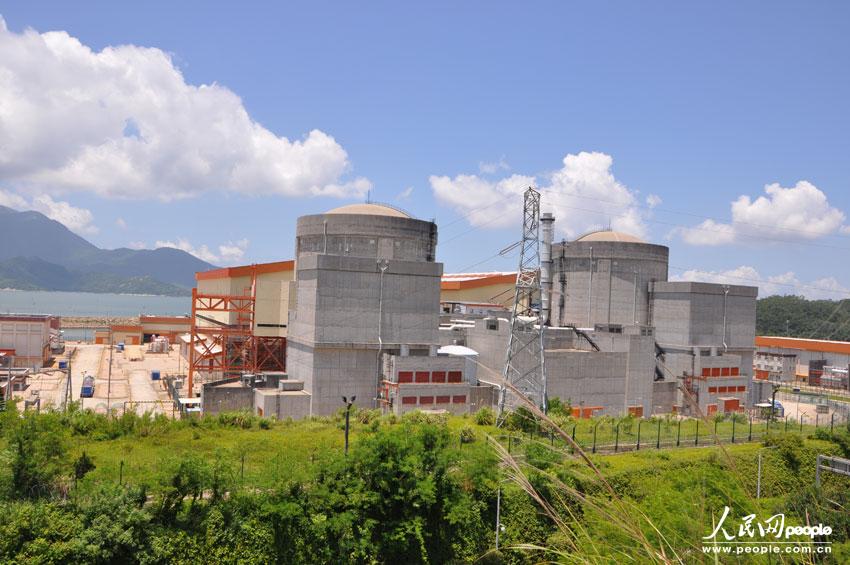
[603, 278]
[366, 283]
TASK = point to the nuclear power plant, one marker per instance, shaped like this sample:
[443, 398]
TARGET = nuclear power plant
[366, 311]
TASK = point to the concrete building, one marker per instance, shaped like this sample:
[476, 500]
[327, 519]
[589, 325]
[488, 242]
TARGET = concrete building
[603, 278]
[366, 284]
[29, 339]
[776, 367]
[625, 340]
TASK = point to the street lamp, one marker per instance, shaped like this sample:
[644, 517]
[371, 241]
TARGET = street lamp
[347, 416]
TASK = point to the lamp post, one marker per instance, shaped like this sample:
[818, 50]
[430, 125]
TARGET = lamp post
[347, 418]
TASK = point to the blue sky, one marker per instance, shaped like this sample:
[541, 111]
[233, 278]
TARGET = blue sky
[695, 106]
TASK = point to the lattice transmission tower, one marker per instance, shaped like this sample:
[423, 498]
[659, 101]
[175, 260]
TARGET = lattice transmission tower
[524, 366]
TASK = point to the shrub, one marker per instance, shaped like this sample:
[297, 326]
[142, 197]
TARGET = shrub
[467, 435]
[485, 417]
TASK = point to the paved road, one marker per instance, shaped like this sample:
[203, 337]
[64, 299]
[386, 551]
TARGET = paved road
[142, 390]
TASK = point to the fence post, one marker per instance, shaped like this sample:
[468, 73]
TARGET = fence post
[696, 436]
[637, 446]
[801, 423]
[658, 436]
[510, 440]
[678, 433]
[750, 434]
[594, 436]
[786, 423]
[831, 422]
[552, 438]
[817, 419]
[617, 437]
[715, 426]
[121, 472]
[733, 428]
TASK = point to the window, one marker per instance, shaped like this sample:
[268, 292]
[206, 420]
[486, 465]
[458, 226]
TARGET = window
[706, 372]
[735, 371]
[423, 376]
[493, 325]
[715, 371]
[742, 389]
[438, 377]
[408, 400]
[426, 400]
[455, 376]
[459, 399]
[722, 389]
[444, 399]
[405, 376]
[724, 372]
[712, 389]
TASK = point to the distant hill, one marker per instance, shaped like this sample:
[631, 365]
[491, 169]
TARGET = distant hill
[795, 316]
[38, 253]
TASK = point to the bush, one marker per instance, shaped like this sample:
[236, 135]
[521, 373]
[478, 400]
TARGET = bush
[467, 435]
[485, 417]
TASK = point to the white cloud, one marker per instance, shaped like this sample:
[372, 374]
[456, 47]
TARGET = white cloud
[405, 194]
[827, 288]
[121, 223]
[653, 200]
[137, 245]
[78, 220]
[845, 230]
[799, 212]
[494, 167]
[583, 194]
[228, 253]
[123, 122]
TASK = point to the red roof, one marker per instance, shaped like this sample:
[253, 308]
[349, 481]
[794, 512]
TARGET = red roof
[460, 281]
[821, 345]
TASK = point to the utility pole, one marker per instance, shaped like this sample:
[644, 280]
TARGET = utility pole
[109, 375]
[347, 418]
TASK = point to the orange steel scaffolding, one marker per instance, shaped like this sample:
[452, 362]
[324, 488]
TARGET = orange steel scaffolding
[230, 348]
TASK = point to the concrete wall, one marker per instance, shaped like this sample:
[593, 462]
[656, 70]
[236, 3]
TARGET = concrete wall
[229, 397]
[611, 290]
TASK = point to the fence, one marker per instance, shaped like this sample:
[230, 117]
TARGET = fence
[617, 436]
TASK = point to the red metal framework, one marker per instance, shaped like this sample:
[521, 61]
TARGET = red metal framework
[230, 347]
[218, 346]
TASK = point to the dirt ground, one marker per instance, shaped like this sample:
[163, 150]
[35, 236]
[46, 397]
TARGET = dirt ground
[128, 386]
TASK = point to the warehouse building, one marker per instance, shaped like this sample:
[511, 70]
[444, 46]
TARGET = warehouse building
[29, 340]
[809, 356]
[143, 332]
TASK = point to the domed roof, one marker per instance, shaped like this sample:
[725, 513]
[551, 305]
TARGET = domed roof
[370, 209]
[610, 235]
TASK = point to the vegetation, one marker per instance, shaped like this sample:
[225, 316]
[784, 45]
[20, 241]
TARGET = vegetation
[798, 317]
[78, 487]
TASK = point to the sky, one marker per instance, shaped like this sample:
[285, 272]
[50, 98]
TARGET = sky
[718, 129]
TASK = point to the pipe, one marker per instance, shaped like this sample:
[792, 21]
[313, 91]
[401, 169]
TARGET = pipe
[562, 283]
[590, 291]
[725, 295]
[547, 223]
[382, 265]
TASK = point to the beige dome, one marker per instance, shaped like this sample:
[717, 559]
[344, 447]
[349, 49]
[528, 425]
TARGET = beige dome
[369, 209]
[609, 235]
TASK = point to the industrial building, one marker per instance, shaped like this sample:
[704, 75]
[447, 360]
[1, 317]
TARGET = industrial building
[170, 327]
[815, 362]
[29, 340]
[365, 310]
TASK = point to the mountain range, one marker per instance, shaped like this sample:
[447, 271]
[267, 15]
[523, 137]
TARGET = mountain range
[37, 253]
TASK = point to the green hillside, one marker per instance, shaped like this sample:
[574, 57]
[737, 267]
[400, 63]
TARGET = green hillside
[798, 317]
